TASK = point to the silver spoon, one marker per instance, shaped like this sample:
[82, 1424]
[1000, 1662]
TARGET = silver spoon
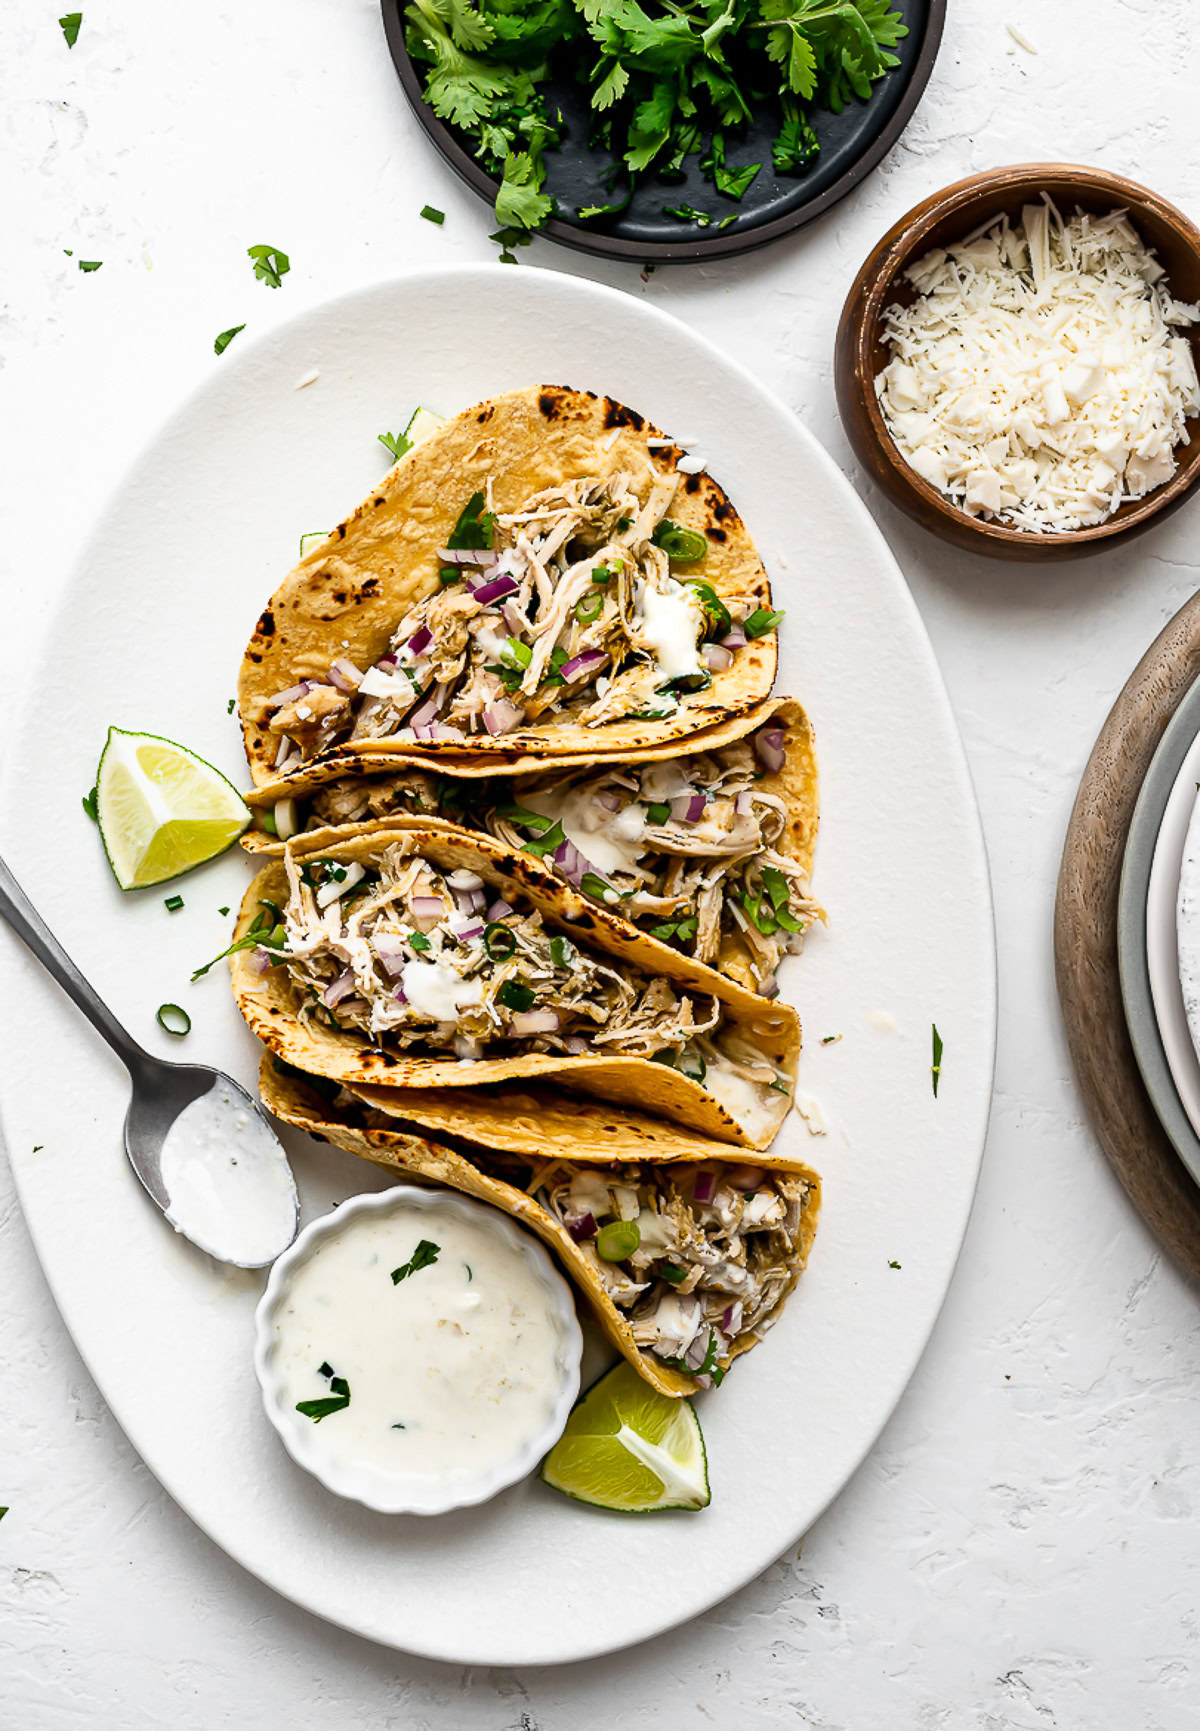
[249, 1167]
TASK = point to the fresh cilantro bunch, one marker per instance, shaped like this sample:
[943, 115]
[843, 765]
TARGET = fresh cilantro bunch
[666, 80]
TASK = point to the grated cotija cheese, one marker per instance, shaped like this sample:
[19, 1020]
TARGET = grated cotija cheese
[1038, 376]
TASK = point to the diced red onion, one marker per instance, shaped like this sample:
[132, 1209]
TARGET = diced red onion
[399, 996]
[473, 930]
[499, 910]
[744, 1177]
[732, 1319]
[717, 657]
[495, 589]
[535, 1022]
[573, 865]
[424, 731]
[344, 674]
[610, 801]
[427, 907]
[697, 1352]
[427, 712]
[391, 950]
[580, 665]
[768, 743]
[284, 752]
[261, 960]
[463, 879]
[702, 1189]
[467, 556]
[420, 640]
[576, 1045]
[735, 639]
[388, 663]
[583, 1227]
[744, 803]
[512, 618]
[688, 807]
[288, 696]
[443, 731]
[341, 988]
[768, 988]
[501, 717]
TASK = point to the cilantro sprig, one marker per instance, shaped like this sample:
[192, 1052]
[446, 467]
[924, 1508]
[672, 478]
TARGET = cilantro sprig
[666, 80]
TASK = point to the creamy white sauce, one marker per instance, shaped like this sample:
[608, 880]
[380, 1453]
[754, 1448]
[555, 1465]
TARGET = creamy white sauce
[230, 1186]
[437, 990]
[607, 838]
[670, 624]
[451, 1370]
[755, 1106]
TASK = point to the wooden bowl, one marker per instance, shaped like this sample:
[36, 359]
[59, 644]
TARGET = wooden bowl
[950, 216]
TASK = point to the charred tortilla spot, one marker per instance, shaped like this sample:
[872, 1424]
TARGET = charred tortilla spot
[716, 534]
[617, 415]
[254, 655]
[722, 510]
[266, 624]
[370, 587]
[552, 403]
[485, 415]
[691, 484]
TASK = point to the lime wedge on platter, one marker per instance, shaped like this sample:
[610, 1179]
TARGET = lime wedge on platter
[627, 1447]
[161, 809]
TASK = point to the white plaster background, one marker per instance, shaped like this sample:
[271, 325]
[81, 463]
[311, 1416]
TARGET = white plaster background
[1019, 1549]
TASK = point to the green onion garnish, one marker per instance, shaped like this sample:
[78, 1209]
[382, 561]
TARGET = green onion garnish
[617, 1240]
[594, 886]
[173, 904]
[936, 1066]
[516, 654]
[658, 812]
[336, 1401]
[499, 941]
[168, 1013]
[601, 573]
[589, 607]
[449, 574]
[678, 542]
[760, 622]
[562, 953]
[432, 214]
[671, 1273]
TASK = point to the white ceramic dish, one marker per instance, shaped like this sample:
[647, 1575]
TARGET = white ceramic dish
[1166, 935]
[359, 1480]
[164, 597]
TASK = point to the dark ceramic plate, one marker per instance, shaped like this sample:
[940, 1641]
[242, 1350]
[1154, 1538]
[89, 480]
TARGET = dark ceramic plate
[852, 144]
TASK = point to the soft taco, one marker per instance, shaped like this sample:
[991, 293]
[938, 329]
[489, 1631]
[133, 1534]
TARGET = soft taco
[708, 850]
[536, 576]
[686, 1248]
[426, 958]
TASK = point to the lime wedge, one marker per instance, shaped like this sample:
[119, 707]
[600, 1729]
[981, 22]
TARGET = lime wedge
[423, 422]
[627, 1447]
[162, 809]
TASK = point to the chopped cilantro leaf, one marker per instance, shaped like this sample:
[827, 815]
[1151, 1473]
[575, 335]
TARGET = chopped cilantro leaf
[88, 802]
[70, 23]
[223, 341]
[893, 1265]
[514, 996]
[424, 1256]
[936, 1066]
[270, 265]
[89, 264]
[396, 443]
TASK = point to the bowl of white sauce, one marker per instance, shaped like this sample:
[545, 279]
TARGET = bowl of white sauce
[417, 1351]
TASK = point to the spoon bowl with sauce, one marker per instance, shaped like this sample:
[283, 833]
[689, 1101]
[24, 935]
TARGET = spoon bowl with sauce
[202, 1148]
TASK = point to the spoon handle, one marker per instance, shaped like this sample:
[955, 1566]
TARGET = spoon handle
[22, 916]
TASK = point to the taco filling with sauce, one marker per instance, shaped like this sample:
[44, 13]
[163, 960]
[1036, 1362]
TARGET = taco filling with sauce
[417, 958]
[693, 851]
[564, 611]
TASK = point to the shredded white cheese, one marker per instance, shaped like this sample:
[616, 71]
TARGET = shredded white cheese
[1039, 377]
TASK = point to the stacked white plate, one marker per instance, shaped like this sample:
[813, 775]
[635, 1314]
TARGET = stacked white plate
[1159, 931]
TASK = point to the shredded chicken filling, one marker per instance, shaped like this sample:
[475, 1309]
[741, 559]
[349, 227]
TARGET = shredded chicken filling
[687, 850]
[563, 610]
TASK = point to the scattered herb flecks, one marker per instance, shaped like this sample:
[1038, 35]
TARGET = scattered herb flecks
[893, 1265]
[830, 1039]
[87, 264]
[70, 22]
[424, 1256]
[936, 1066]
[219, 346]
[3, 1511]
[432, 214]
[270, 264]
[88, 802]
[223, 912]
[336, 1401]
[173, 904]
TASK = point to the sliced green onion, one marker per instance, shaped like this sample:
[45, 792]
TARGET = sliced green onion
[562, 952]
[617, 1240]
[516, 654]
[601, 573]
[432, 214]
[523, 817]
[449, 574]
[658, 812]
[173, 904]
[589, 607]
[671, 1273]
[168, 1013]
[760, 622]
[594, 886]
[678, 542]
[499, 941]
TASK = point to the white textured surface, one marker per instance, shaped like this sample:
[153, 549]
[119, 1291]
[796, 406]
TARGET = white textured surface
[1018, 1551]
